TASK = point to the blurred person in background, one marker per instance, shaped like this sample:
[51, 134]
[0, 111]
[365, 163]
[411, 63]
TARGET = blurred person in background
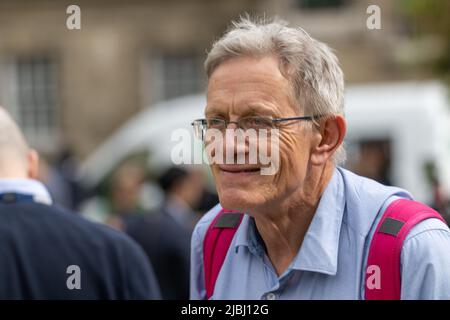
[46, 252]
[165, 235]
[123, 201]
[57, 185]
[183, 189]
[54, 182]
[373, 161]
[441, 202]
[67, 166]
[126, 186]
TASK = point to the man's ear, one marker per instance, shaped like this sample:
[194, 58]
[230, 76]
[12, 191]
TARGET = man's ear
[33, 164]
[332, 133]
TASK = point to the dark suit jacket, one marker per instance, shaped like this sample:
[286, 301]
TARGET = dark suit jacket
[39, 243]
[167, 244]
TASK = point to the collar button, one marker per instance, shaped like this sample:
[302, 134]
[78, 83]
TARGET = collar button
[271, 296]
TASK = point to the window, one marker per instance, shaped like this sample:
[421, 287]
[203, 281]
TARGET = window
[172, 75]
[320, 4]
[36, 92]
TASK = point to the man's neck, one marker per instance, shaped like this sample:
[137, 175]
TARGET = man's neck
[283, 227]
[13, 173]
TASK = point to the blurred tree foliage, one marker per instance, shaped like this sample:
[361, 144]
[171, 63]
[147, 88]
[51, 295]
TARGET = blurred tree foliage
[431, 17]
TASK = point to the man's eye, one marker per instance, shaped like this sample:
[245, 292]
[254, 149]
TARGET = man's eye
[258, 122]
[215, 122]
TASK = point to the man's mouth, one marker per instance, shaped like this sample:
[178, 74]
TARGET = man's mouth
[239, 169]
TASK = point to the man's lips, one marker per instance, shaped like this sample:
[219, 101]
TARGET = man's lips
[239, 168]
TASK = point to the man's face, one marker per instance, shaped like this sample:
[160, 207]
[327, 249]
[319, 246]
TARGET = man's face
[247, 86]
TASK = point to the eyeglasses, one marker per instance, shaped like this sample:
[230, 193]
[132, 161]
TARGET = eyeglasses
[246, 123]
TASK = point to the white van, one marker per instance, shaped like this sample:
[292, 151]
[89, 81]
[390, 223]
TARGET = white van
[412, 119]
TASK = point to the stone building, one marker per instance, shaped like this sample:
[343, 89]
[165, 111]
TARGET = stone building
[73, 88]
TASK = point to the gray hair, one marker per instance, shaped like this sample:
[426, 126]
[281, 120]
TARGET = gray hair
[317, 79]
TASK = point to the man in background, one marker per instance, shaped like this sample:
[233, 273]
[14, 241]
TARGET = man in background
[48, 253]
[165, 235]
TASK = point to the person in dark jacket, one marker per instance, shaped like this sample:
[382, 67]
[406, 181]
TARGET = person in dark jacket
[48, 253]
[165, 235]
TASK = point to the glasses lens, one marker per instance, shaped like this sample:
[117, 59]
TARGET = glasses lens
[198, 128]
[256, 123]
[213, 123]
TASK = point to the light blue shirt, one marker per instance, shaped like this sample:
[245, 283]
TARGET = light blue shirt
[331, 262]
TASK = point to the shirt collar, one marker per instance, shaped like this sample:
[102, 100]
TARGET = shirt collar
[242, 234]
[27, 186]
[319, 250]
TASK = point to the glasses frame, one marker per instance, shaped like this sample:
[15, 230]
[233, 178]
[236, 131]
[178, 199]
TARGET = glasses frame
[274, 121]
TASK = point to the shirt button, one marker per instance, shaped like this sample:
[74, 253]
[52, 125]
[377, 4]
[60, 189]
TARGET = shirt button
[271, 296]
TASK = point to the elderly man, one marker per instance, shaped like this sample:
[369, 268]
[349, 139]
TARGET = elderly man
[47, 252]
[309, 230]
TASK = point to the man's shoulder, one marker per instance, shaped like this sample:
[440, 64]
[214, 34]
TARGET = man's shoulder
[118, 250]
[425, 258]
[69, 226]
[366, 200]
[98, 230]
[367, 187]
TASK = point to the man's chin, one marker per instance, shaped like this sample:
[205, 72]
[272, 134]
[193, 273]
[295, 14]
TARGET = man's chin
[235, 199]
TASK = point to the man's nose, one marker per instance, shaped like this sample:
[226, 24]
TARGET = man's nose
[234, 125]
[229, 138]
[235, 144]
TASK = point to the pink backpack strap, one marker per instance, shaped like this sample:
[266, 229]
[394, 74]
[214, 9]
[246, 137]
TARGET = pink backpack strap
[216, 243]
[386, 247]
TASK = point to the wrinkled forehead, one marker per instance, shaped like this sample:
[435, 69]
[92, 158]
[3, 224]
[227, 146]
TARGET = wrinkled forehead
[248, 82]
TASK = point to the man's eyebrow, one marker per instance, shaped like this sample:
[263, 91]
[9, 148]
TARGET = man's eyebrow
[213, 110]
[250, 109]
[258, 109]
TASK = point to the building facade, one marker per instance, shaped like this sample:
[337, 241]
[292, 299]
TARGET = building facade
[73, 88]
